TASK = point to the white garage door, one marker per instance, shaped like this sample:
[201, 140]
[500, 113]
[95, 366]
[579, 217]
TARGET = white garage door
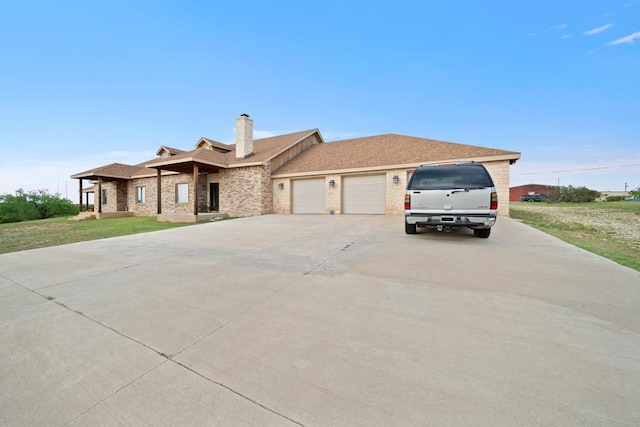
[308, 196]
[363, 194]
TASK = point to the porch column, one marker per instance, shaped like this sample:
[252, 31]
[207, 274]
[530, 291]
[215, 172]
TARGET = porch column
[99, 195]
[80, 194]
[159, 191]
[195, 189]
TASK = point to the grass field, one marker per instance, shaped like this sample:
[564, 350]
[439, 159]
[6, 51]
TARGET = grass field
[609, 229]
[59, 231]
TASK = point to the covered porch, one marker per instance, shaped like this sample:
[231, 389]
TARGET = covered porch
[199, 196]
[115, 177]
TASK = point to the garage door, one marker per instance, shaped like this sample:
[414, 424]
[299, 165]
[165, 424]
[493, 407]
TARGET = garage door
[363, 194]
[308, 196]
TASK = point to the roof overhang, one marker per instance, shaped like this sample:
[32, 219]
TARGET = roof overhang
[506, 157]
[186, 164]
[104, 177]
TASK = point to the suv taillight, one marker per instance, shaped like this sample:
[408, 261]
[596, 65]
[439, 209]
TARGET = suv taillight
[494, 201]
[407, 202]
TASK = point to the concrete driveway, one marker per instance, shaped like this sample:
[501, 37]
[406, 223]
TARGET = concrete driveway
[318, 320]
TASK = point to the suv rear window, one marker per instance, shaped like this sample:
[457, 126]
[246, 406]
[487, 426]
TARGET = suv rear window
[449, 177]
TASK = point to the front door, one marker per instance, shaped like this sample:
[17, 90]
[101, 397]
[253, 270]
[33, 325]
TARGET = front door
[214, 196]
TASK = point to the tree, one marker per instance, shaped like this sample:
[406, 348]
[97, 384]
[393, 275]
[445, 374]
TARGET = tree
[25, 206]
[635, 193]
[577, 194]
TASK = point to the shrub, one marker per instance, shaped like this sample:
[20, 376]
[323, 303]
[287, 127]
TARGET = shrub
[614, 199]
[577, 194]
[25, 206]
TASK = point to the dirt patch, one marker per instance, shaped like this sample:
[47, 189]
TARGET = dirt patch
[44, 227]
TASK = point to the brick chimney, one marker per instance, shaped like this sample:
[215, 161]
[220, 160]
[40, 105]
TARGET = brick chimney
[244, 136]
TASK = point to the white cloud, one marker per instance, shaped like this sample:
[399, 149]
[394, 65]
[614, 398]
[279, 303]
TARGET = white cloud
[562, 26]
[626, 39]
[598, 30]
[566, 36]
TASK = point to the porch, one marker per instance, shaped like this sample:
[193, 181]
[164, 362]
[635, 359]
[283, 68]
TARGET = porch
[182, 217]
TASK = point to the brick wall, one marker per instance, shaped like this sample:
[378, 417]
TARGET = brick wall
[281, 197]
[112, 199]
[395, 192]
[203, 193]
[266, 192]
[499, 171]
[242, 191]
[121, 196]
[150, 205]
[333, 196]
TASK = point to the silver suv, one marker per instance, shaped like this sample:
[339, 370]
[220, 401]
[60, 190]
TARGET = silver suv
[451, 195]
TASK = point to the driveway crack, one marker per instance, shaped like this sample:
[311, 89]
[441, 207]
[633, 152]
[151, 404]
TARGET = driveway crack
[169, 358]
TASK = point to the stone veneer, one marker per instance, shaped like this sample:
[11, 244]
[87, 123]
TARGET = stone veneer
[499, 171]
[150, 205]
[112, 201]
[245, 191]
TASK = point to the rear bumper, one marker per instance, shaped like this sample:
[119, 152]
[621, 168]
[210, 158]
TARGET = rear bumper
[473, 221]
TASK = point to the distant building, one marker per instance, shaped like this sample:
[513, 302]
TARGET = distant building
[522, 190]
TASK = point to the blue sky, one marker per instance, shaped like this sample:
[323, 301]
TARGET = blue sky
[87, 83]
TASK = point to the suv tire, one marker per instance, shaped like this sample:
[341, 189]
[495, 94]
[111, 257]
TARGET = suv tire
[410, 228]
[482, 232]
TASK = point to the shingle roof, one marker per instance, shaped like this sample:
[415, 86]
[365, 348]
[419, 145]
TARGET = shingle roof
[113, 170]
[384, 150]
[263, 150]
[369, 152]
[214, 144]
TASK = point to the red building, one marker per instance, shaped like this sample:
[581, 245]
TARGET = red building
[522, 190]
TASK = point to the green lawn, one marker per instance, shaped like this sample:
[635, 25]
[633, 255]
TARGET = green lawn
[609, 229]
[59, 231]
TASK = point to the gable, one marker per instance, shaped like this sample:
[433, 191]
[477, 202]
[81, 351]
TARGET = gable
[212, 145]
[166, 152]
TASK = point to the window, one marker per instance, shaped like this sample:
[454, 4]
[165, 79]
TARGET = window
[450, 177]
[104, 197]
[182, 193]
[139, 194]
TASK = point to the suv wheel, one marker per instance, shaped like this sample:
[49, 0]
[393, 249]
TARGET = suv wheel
[482, 232]
[409, 228]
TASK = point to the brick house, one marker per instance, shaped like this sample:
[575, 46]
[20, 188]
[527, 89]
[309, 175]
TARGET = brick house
[292, 173]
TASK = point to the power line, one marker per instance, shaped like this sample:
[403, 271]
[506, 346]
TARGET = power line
[582, 169]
